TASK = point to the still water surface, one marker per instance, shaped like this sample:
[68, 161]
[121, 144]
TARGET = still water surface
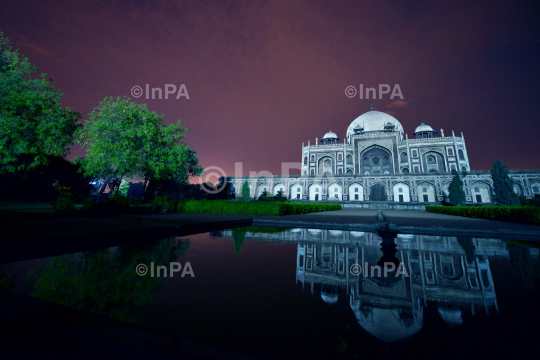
[291, 293]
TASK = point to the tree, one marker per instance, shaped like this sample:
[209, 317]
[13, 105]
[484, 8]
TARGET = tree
[124, 139]
[266, 196]
[225, 188]
[174, 185]
[105, 282]
[503, 185]
[455, 189]
[124, 187]
[239, 236]
[43, 182]
[524, 265]
[245, 192]
[32, 122]
[280, 196]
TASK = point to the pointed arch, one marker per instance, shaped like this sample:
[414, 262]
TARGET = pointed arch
[356, 192]
[480, 192]
[335, 192]
[315, 192]
[402, 192]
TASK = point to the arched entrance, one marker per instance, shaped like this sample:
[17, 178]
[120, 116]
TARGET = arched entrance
[376, 160]
[378, 193]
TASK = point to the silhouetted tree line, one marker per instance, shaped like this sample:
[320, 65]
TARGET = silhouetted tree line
[44, 182]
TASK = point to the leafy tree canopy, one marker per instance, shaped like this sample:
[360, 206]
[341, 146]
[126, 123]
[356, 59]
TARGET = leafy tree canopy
[32, 122]
[125, 139]
[177, 185]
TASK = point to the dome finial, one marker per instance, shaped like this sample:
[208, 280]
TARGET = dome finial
[372, 105]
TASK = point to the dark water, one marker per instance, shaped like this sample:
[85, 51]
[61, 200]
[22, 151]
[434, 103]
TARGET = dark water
[291, 294]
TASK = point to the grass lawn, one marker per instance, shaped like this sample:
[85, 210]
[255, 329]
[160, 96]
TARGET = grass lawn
[42, 208]
[517, 214]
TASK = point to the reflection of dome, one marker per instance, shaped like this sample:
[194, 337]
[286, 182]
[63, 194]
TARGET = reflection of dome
[296, 230]
[328, 298]
[390, 324]
[330, 135]
[314, 231]
[335, 232]
[451, 316]
[357, 233]
[374, 121]
[405, 237]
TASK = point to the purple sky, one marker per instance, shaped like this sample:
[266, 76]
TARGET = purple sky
[265, 76]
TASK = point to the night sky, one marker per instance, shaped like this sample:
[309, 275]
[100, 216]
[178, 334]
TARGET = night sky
[265, 76]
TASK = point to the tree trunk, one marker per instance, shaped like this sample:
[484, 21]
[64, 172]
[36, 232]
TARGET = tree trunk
[118, 188]
[144, 187]
[103, 189]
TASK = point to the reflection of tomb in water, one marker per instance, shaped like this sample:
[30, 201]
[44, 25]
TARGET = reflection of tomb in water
[440, 273]
[391, 308]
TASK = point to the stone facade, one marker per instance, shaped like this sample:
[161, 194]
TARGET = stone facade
[378, 162]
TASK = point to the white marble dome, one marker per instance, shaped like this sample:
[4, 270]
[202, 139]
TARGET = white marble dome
[374, 121]
[423, 128]
[330, 135]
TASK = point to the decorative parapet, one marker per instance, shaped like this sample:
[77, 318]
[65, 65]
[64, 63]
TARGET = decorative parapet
[338, 146]
[433, 139]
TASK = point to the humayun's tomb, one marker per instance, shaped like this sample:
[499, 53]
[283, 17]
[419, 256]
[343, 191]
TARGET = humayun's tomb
[378, 162]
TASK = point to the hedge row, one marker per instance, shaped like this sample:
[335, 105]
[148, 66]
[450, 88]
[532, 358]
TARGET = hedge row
[517, 214]
[251, 208]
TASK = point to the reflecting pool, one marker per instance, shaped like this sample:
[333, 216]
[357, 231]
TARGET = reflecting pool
[299, 293]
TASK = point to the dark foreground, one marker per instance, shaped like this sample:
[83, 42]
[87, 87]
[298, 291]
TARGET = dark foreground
[279, 294]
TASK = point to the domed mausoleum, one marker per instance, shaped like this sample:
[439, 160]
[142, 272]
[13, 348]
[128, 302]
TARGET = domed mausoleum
[377, 162]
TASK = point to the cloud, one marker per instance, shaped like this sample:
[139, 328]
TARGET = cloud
[39, 51]
[398, 104]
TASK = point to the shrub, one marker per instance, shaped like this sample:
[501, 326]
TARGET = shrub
[266, 197]
[88, 203]
[158, 203]
[252, 208]
[280, 196]
[180, 206]
[115, 205]
[535, 201]
[171, 205]
[63, 205]
[517, 214]
[119, 201]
